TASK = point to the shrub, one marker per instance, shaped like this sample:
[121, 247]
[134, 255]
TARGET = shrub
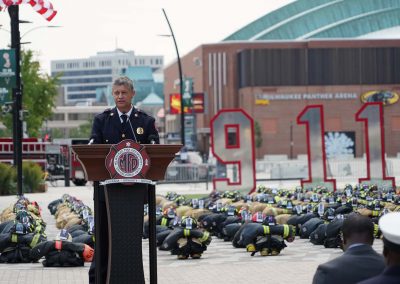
[33, 177]
[7, 180]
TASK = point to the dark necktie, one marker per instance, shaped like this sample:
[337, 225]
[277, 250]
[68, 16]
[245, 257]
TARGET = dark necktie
[124, 119]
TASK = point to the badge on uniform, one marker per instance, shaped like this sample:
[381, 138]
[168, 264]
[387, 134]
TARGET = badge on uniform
[123, 135]
[139, 130]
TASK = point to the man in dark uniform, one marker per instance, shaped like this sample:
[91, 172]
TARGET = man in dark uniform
[390, 226]
[111, 127]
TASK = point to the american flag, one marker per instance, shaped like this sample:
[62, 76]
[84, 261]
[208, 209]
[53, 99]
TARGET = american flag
[43, 7]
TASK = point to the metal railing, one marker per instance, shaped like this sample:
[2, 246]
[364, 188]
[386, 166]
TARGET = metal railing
[188, 173]
[342, 169]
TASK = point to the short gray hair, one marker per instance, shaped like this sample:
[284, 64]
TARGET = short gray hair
[124, 81]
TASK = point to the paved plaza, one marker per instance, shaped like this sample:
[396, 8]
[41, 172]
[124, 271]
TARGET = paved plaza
[221, 263]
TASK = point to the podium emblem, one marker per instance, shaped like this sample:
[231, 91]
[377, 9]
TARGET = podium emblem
[127, 160]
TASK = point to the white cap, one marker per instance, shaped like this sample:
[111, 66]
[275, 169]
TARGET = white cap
[390, 227]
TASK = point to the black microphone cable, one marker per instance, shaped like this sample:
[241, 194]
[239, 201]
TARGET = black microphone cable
[133, 132]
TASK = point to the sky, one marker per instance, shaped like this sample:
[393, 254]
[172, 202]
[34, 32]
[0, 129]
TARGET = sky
[89, 26]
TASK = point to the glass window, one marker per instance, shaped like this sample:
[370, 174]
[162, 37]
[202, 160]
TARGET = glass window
[58, 116]
[84, 72]
[85, 88]
[86, 80]
[81, 96]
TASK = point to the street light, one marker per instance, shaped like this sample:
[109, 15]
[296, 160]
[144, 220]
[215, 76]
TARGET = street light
[3, 29]
[18, 113]
[180, 81]
[13, 10]
[28, 31]
[39, 27]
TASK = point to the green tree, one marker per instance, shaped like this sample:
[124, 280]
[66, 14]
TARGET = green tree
[83, 131]
[57, 133]
[6, 132]
[258, 134]
[6, 119]
[39, 93]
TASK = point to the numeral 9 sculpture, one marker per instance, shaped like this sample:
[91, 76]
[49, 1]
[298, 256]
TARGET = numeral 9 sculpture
[232, 139]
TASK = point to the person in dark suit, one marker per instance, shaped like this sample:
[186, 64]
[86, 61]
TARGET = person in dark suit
[359, 261]
[124, 121]
[390, 227]
[111, 127]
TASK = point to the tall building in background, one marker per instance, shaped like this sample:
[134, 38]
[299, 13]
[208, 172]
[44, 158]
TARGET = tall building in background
[80, 78]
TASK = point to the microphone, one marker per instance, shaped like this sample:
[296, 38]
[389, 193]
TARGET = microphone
[133, 132]
[153, 138]
[92, 139]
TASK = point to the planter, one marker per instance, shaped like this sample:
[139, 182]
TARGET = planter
[42, 187]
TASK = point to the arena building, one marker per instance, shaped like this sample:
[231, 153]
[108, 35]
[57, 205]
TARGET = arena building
[339, 54]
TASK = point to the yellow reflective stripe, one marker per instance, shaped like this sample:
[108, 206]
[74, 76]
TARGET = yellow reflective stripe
[266, 230]
[35, 240]
[186, 232]
[376, 230]
[204, 237]
[14, 238]
[375, 213]
[293, 230]
[250, 248]
[164, 221]
[286, 231]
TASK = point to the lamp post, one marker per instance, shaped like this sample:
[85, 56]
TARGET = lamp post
[28, 31]
[180, 81]
[13, 10]
[18, 114]
[1, 29]
[38, 27]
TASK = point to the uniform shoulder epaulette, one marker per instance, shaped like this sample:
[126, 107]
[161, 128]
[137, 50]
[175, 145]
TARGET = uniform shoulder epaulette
[142, 112]
[108, 110]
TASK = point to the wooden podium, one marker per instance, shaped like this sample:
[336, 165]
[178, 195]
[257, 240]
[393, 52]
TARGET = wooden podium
[125, 203]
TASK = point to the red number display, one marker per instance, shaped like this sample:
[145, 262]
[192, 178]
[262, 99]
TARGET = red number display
[313, 118]
[372, 116]
[232, 139]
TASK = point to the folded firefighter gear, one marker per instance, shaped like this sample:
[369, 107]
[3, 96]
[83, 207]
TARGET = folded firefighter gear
[62, 253]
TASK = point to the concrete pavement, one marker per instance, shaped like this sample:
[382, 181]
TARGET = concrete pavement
[221, 263]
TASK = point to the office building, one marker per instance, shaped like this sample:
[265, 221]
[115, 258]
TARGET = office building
[80, 78]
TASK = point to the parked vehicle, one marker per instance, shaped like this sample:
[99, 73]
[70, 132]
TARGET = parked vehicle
[55, 157]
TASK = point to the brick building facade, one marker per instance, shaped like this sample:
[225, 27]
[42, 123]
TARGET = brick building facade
[274, 81]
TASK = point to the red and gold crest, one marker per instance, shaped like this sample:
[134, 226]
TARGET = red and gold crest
[127, 159]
